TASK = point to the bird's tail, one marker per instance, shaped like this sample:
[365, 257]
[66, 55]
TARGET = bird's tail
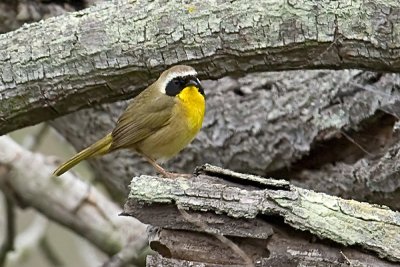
[99, 148]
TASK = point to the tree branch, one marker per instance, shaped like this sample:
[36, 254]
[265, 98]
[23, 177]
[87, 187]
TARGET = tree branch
[257, 200]
[50, 255]
[28, 240]
[67, 200]
[107, 52]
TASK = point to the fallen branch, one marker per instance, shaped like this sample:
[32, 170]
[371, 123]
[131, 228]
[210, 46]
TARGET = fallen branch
[26, 177]
[256, 212]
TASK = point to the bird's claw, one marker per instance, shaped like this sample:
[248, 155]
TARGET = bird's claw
[174, 175]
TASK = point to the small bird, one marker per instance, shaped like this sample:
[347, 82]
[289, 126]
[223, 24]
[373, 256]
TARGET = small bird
[158, 123]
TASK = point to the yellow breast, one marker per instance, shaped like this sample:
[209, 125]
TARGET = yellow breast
[187, 118]
[193, 105]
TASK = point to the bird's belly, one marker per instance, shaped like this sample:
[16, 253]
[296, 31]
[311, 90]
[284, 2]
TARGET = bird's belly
[186, 120]
[166, 142]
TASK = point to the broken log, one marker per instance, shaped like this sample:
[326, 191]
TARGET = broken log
[219, 215]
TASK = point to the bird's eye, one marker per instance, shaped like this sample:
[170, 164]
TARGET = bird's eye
[174, 87]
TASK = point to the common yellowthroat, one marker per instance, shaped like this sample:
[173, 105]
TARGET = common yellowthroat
[158, 123]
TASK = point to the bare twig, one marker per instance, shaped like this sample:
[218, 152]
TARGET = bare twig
[346, 258]
[373, 90]
[348, 137]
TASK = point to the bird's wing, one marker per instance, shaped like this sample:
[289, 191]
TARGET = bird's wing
[141, 119]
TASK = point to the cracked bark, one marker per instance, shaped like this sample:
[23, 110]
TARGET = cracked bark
[332, 131]
[107, 52]
[261, 216]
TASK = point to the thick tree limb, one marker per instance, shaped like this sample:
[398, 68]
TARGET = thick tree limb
[26, 177]
[345, 222]
[113, 50]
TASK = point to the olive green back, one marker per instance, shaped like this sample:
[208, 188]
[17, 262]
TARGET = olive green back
[148, 112]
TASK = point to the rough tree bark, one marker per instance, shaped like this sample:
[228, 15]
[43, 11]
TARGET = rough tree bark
[107, 52]
[255, 214]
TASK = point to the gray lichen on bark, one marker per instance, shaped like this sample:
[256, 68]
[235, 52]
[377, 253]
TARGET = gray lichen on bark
[347, 222]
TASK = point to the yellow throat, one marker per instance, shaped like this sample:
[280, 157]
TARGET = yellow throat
[194, 105]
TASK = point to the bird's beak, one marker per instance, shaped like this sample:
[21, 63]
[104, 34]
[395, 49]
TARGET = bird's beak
[196, 83]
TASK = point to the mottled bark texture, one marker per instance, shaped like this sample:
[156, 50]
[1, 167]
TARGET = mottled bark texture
[113, 50]
[263, 217]
[327, 130]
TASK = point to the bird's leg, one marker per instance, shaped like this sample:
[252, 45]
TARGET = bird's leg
[157, 166]
[162, 171]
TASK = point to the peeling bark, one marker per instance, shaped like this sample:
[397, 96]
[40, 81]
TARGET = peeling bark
[113, 50]
[271, 211]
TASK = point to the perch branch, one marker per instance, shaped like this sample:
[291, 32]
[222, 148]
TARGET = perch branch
[347, 222]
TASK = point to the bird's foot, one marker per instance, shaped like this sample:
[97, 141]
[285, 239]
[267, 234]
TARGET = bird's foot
[165, 173]
[172, 175]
